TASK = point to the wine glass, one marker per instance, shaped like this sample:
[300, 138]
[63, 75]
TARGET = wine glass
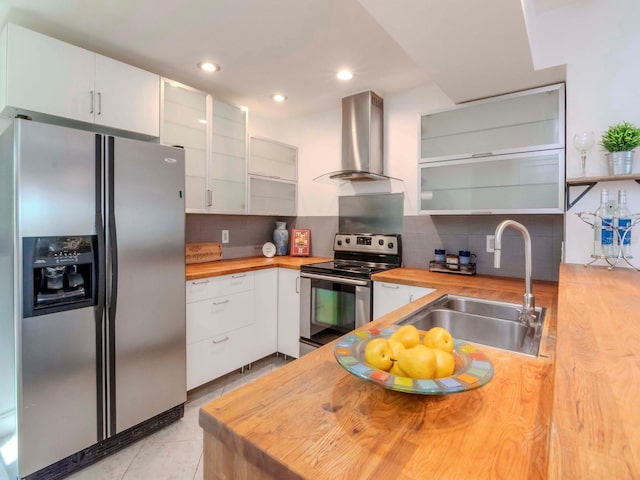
[583, 142]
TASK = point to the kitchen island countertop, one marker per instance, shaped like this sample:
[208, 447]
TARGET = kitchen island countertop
[311, 419]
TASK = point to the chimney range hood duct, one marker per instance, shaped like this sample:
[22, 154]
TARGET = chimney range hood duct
[362, 133]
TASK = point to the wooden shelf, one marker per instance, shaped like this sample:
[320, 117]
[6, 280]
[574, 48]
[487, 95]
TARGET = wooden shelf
[591, 182]
[609, 178]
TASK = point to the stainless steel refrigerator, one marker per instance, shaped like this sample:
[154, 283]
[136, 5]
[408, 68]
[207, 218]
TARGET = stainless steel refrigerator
[92, 295]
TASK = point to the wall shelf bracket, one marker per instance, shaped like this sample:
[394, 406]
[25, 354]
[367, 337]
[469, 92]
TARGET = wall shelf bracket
[588, 184]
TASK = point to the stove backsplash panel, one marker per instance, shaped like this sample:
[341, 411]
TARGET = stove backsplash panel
[376, 213]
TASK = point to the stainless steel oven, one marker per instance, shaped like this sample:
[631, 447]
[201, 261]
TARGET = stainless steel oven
[337, 296]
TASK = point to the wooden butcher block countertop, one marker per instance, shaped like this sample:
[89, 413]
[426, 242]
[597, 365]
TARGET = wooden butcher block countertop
[236, 265]
[311, 419]
[596, 411]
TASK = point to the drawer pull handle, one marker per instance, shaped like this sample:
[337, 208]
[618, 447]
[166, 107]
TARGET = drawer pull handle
[395, 287]
[220, 341]
[240, 275]
[199, 283]
[222, 302]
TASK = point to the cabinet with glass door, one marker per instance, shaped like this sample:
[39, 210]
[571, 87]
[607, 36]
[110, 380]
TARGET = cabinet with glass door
[228, 164]
[184, 123]
[499, 155]
[273, 175]
[213, 135]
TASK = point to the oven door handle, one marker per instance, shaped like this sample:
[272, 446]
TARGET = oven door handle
[329, 278]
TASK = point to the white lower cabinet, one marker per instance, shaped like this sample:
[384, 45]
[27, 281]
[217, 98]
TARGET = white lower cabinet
[266, 313]
[289, 312]
[220, 326]
[216, 356]
[388, 297]
[232, 320]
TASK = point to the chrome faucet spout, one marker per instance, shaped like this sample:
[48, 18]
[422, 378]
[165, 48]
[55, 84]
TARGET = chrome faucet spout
[527, 313]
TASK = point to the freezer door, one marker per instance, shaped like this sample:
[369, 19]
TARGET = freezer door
[57, 407]
[146, 304]
[57, 171]
[57, 378]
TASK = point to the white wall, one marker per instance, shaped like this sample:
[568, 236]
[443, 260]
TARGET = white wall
[599, 41]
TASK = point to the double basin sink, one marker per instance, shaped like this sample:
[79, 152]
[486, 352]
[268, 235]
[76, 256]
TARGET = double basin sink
[481, 321]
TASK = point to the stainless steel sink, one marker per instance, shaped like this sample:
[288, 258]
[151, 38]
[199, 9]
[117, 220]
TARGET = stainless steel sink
[481, 321]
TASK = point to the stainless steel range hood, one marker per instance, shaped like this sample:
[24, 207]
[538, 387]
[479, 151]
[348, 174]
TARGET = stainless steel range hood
[362, 144]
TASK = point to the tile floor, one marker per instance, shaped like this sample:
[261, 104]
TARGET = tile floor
[175, 452]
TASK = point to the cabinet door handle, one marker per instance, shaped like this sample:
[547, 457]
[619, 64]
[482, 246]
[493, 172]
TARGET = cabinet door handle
[92, 101]
[209, 198]
[239, 275]
[99, 103]
[411, 298]
[200, 282]
[297, 284]
[222, 302]
[395, 287]
[220, 341]
[480, 155]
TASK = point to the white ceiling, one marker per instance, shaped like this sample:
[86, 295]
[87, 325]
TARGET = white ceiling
[470, 49]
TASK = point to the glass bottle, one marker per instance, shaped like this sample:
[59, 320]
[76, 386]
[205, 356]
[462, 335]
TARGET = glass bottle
[603, 227]
[622, 218]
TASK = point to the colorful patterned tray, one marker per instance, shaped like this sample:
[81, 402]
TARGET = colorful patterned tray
[473, 368]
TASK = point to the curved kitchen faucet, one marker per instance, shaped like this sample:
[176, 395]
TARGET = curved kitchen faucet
[527, 313]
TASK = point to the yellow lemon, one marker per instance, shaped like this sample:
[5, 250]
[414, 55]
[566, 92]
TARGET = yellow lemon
[396, 348]
[377, 353]
[445, 363]
[397, 371]
[407, 335]
[438, 337]
[418, 362]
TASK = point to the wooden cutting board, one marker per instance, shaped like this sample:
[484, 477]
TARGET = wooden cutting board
[203, 252]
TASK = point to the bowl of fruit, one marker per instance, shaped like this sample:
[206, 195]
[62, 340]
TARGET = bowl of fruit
[409, 360]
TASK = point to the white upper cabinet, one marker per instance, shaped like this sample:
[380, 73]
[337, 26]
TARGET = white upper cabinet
[273, 159]
[184, 123]
[273, 177]
[44, 77]
[127, 97]
[517, 122]
[213, 135]
[228, 172]
[517, 183]
[499, 155]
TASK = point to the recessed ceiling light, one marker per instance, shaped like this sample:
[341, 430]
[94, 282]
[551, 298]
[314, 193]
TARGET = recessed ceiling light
[278, 97]
[208, 66]
[344, 75]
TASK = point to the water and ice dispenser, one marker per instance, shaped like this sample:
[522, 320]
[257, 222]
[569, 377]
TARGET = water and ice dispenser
[59, 274]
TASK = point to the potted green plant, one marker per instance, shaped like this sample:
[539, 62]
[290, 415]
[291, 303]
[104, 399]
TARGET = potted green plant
[620, 140]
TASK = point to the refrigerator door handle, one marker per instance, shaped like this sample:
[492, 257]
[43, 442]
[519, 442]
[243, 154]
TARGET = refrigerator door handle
[100, 265]
[113, 237]
[112, 299]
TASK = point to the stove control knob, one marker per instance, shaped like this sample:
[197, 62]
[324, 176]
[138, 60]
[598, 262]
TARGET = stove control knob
[348, 240]
[381, 242]
[390, 245]
[339, 242]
